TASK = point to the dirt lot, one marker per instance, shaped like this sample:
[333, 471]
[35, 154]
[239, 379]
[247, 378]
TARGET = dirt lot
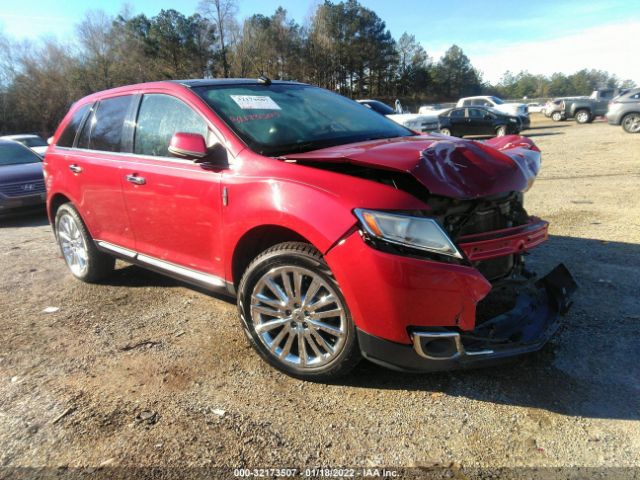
[145, 371]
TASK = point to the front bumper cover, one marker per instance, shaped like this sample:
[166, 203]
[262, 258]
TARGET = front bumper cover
[523, 329]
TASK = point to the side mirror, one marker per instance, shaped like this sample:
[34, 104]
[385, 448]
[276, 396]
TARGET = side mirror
[189, 146]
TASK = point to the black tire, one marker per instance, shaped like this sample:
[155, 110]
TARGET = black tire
[556, 116]
[98, 265]
[300, 257]
[631, 123]
[583, 116]
[501, 131]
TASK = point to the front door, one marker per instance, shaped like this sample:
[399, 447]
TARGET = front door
[174, 205]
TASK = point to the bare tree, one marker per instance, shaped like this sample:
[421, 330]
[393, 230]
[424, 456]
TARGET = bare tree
[223, 13]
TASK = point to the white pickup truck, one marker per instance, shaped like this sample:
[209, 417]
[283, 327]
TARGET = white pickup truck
[414, 121]
[518, 109]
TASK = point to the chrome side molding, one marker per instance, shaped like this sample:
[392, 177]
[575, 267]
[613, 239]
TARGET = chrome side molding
[201, 278]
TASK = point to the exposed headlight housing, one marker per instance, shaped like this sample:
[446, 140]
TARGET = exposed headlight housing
[415, 232]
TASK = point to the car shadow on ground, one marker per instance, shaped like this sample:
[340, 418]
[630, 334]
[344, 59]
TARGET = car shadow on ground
[36, 218]
[133, 276]
[591, 368]
[544, 134]
[547, 127]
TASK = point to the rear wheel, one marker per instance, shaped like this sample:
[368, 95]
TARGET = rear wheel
[583, 116]
[84, 260]
[631, 123]
[556, 116]
[294, 314]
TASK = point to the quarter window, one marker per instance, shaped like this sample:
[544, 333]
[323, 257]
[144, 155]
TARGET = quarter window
[159, 117]
[103, 129]
[69, 133]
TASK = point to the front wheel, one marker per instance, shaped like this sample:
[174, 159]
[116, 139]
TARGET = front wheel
[631, 123]
[446, 131]
[294, 314]
[84, 260]
[501, 131]
[583, 116]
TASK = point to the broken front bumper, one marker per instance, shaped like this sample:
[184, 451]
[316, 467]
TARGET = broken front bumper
[523, 329]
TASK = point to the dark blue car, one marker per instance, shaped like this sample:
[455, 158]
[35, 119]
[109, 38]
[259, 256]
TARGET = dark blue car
[21, 179]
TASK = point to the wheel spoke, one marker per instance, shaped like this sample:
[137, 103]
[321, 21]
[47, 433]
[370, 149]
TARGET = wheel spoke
[321, 341]
[272, 302]
[323, 302]
[311, 292]
[336, 312]
[287, 284]
[275, 288]
[297, 285]
[278, 340]
[325, 327]
[268, 311]
[287, 345]
[312, 343]
[64, 236]
[268, 326]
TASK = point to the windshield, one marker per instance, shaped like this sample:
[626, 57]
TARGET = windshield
[14, 154]
[497, 100]
[33, 142]
[278, 119]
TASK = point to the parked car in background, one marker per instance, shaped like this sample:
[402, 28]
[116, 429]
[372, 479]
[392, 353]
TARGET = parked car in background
[341, 233]
[553, 108]
[435, 109]
[625, 110]
[585, 110]
[21, 180]
[535, 107]
[416, 122]
[34, 142]
[458, 122]
[514, 109]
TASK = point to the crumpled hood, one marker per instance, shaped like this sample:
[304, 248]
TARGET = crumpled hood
[446, 166]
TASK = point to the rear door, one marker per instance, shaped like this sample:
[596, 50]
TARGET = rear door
[90, 162]
[458, 122]
[174, 204]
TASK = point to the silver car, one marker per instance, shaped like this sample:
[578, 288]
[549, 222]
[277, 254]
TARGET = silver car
[625, 110]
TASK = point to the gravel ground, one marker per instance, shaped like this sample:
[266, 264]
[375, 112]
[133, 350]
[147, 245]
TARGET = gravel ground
[145, 371]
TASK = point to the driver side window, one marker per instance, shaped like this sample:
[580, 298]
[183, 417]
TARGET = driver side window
[159, 117]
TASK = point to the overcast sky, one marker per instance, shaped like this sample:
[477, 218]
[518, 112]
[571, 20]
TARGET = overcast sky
[544, 36]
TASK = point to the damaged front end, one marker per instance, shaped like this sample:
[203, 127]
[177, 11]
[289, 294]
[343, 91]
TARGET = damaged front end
[455, 294]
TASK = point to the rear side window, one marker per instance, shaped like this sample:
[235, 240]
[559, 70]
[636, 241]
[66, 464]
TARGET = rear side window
[108, 119]
[159, 117]
[70, 131]
[103, 129]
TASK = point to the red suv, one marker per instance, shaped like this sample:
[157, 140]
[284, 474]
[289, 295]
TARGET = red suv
[341, 233]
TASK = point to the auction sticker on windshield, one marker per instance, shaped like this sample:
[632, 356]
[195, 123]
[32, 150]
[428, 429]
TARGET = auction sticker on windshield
[255, 102]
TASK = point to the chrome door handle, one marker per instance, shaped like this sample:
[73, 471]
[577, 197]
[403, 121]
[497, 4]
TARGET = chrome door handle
[75, 168]
[133, 178]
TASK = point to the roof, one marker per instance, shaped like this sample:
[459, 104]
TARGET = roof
[203, 82]
[13, 137]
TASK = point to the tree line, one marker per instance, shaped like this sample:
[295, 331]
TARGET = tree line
[344, 47]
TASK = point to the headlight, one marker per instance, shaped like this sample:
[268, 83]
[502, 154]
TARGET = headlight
[417, 232]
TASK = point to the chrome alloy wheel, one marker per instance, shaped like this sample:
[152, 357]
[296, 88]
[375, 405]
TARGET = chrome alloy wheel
[73, 245]
[631, 123]
[298, 316]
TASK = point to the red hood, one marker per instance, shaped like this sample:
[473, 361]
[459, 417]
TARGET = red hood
[447, 166]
